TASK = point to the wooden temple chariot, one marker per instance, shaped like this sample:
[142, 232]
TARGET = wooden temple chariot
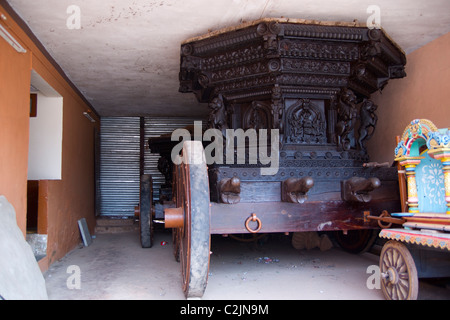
[311, 81]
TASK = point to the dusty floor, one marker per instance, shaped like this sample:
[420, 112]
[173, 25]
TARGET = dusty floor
[116, 267]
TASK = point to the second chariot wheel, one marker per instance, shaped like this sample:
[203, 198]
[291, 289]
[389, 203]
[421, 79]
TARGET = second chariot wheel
[176, 194]
[192, 219]
[356, 241]
[399, 280]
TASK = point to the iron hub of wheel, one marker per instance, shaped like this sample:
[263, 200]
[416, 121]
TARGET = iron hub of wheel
[392, 275]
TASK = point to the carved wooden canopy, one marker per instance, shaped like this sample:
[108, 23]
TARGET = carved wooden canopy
[280, 56]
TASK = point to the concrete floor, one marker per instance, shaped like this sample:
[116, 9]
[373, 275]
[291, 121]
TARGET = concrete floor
[114, 266]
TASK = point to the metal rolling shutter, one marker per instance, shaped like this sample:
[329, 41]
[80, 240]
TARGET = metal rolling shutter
[119, 166]
[120, 160]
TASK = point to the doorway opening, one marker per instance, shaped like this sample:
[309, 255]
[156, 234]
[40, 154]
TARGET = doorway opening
[44, 158]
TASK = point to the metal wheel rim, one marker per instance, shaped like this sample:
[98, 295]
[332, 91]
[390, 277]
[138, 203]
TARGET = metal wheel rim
[185, 234]
[194, 248]
[176, 193]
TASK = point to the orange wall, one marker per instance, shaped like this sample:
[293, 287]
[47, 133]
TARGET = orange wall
[15, 76]
[70, 198]
[424, 93]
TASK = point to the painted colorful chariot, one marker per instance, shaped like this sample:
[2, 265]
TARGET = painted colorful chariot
[419, 247]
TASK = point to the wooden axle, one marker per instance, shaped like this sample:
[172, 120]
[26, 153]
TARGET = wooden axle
[274, 217]
[174, 217]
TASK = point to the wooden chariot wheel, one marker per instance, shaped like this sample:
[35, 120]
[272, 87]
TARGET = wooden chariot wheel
[176, 193]
[192, 236]
[145, 211]
[399, 280]
[356, 241]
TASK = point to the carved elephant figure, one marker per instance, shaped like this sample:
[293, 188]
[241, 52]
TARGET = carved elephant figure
[295, 189]
[230, 190]
[357, 189]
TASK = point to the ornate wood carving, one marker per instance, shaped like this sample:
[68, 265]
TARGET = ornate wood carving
[229, 190]
[312, 82]
[358, 188]
[257, 116]
[346, 110]
[218, 115]
[295, 189]
[368, 122]
[305, 123]
[322, 49]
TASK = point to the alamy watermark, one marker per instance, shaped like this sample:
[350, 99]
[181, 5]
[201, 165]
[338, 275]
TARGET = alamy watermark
[374, 280]
[74, 280]
[374, 19]
[73, 21]
[255, 142]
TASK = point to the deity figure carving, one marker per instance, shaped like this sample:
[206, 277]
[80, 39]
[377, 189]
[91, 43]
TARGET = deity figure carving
[347, 113]
[218, 115]
[256, 121]
[368, 120]
[306, 124]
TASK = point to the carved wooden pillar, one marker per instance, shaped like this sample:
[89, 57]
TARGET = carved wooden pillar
[331, 120]
[446, 170]
[444, 156]
[277, 110]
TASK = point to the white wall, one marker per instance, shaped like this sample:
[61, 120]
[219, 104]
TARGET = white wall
[45, 146]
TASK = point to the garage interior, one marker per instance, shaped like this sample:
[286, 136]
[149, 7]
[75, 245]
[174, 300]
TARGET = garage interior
[84, 84]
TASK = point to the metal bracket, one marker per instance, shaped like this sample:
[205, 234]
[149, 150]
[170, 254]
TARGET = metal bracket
[384, 220]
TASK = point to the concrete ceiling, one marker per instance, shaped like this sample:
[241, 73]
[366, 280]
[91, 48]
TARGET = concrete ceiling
[125, 56]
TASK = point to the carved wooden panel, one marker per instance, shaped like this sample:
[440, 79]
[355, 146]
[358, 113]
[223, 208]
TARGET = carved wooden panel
[256, 115]
[305, 122]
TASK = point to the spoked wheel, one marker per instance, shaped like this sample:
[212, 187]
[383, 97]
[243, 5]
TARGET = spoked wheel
[191, 218]
[145, 211]
[356, 241]
[399, 280]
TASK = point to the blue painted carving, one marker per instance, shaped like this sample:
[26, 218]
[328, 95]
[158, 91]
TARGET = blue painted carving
[441, 138]
[430, 185]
